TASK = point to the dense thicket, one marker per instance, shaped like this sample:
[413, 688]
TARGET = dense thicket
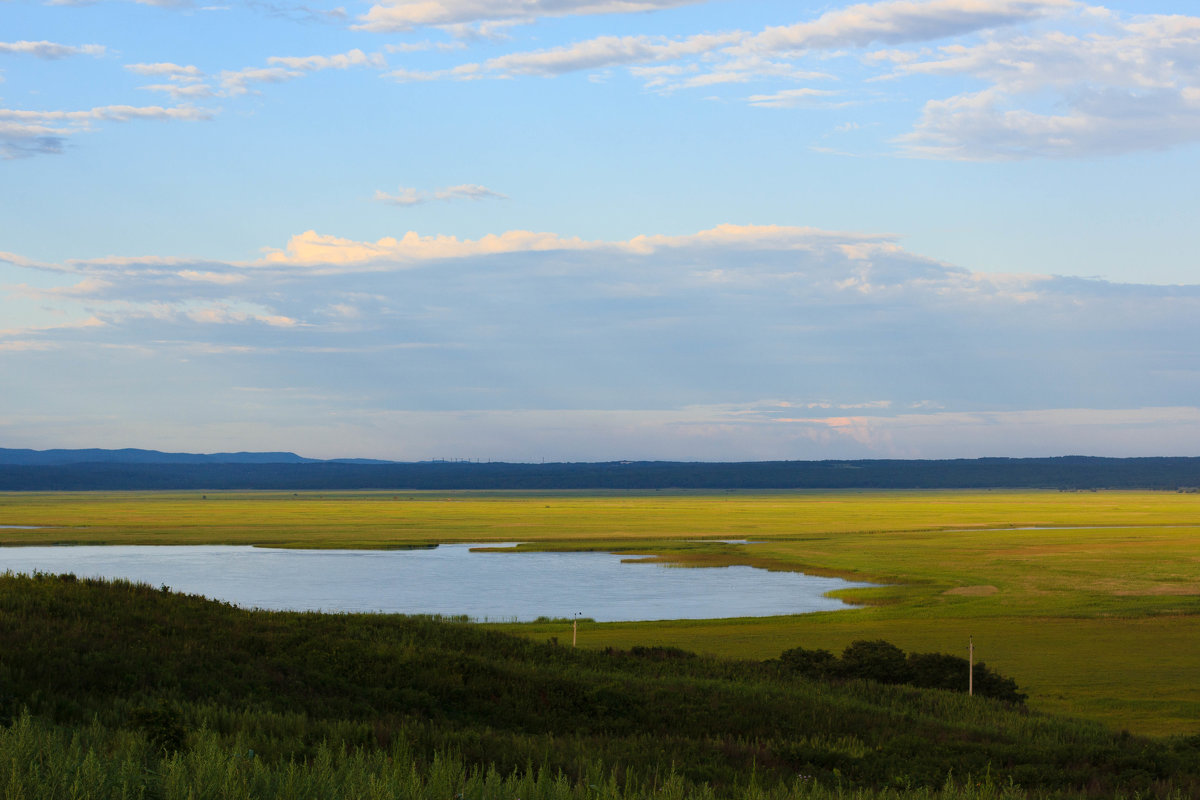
[186, 675]
[1069, 472]
[883, 662]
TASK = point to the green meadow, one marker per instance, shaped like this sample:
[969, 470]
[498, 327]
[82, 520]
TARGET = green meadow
[1090, 600]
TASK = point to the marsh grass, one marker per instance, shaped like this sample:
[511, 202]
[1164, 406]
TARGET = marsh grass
[40, 761]
[1097, 619]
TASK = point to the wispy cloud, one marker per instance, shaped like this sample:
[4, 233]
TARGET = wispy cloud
[730, 57]
[403, 15]
[406, 196]
[238, 82]
[607, 51]
[181, 92]
[1133, 86]
[25, 141]
[423, 46]
[789, 98]
[351, 58]
[467, 191]
[167, 69]
[1115, 84]
[51, 50]
[902, 22]
[300, 12]
[28, 133]
[286, 68]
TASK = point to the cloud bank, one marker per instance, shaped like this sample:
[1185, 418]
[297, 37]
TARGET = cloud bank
[733, 342]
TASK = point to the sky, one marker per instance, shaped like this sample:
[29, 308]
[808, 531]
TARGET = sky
[586, 230]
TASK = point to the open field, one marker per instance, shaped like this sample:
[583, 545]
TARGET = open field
[1100, 621]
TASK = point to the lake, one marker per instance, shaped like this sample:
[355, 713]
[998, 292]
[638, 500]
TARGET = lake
[449, 579]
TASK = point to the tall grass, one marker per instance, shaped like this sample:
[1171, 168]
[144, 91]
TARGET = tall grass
[42, 761]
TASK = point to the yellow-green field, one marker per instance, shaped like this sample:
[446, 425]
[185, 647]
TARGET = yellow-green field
[1100, 621]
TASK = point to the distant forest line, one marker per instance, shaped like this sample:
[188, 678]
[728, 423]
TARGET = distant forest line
[128, 470]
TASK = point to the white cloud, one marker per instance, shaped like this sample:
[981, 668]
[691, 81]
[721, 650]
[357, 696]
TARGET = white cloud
[403, 15]
[1130, 86]
[51, 50]
[902, 21]
[407, 196]
[418, 47]
[788, 98]
[467, 191]
[202, 276]
[24, 345]
[167, 69]
[985, 127]
[352, 58]
[1062, 79]
[701, 60]
[463, 72]
[114, 113]
[188, 91]
[1155, 53]
[402, 197]
[674, 337]
[282, 69]
[738, 57]
[222, 314]
[28, 133]
[237, 82]
[22, 140]
[313, 249]
[607, 51]
[89, 322]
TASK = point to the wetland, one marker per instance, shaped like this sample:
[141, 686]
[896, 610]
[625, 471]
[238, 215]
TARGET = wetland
[501, 584]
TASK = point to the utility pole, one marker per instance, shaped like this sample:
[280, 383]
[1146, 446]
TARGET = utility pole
[970, 666]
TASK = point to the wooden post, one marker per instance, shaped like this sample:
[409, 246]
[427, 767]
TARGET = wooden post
[575, 630]
[970, 666]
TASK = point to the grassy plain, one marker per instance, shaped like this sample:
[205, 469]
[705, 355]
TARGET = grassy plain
[1099, 618]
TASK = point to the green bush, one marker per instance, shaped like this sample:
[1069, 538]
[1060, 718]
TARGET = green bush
[877, 661]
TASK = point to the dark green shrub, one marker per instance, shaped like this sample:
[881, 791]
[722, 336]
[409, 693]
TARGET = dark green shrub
[163, 726]
[938, 671]
[661, 653]
[812, 664]
[877, 661]
[993, 684]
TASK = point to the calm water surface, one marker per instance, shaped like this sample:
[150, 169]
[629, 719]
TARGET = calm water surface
[449, 579]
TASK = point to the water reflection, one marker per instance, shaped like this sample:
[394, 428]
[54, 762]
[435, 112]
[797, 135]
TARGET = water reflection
[448, 579]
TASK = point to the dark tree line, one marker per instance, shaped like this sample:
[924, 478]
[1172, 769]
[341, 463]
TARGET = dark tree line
[883, 662]
[1065, 473]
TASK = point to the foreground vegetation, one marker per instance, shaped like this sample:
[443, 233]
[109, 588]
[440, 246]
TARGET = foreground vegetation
[122, 690]
[1090, 600]
[56, 763]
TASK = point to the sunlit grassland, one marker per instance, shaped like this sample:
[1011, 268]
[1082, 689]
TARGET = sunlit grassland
[375, 519]
[1101, 621]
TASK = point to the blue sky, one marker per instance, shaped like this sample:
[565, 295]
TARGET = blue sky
[601, 229]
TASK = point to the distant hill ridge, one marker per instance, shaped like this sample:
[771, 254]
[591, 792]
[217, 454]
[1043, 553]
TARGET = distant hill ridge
[82, 470]
[130, 455]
